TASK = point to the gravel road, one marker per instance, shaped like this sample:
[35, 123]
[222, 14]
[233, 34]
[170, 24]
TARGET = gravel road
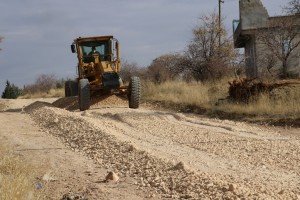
[179, 156]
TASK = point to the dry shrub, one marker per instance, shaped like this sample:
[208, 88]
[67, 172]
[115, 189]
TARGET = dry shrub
[46, 85]
[51, 93]
[43, 83]
[244, 90]
[130, 69]
[276, 99]
[16, 177]
[2, 106]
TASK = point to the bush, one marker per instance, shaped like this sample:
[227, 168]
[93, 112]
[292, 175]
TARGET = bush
[43, 83]
[11, 91]
[130, 69]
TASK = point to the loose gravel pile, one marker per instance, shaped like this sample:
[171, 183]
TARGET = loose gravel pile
[71, 103]
[172, 180]
[247, 145]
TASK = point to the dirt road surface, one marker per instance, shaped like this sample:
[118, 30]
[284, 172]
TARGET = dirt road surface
[156, 154]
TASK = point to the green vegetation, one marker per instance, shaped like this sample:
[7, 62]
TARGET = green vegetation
[11, 91]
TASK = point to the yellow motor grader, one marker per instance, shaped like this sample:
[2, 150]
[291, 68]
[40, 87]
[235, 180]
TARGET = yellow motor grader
[98, 72]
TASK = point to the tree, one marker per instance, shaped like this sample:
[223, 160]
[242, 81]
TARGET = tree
[130, 69]
[46, 82]
[204, 57]
[11, 91]
[281, 38]
[166, 67]
[293, 7]
[43, 83]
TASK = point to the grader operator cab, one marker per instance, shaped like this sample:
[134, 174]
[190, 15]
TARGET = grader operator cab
[98, 72]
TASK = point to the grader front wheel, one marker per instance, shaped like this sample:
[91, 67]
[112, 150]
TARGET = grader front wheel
[134, 95]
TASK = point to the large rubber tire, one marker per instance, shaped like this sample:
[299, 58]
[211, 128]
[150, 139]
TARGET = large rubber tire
[134, 96]
[71, 88]
[67, 89]
[74, 88]
[84, 97]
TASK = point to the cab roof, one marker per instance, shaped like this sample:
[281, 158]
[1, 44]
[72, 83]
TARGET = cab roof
[95, 38]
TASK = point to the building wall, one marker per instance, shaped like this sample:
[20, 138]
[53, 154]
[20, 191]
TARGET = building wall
[250, 57]
[294, 61]
[252, 14]
[268, 64]
[260, 61]
[265, 59]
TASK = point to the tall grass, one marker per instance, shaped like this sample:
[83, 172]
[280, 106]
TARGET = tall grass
[193, 93]
[281, 103]
[16, 177]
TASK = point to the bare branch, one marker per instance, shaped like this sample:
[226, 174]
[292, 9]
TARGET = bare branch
[293, 7]
[281, 38]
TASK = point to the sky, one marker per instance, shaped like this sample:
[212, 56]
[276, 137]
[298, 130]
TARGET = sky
[38, 33]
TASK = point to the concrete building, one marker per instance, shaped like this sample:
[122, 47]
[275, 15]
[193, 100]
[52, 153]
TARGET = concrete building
[261, 56]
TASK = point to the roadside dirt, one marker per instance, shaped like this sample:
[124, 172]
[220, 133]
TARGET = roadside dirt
[156, 154]
[60, 170]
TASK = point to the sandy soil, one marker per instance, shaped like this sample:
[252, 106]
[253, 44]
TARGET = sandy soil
[157, 154]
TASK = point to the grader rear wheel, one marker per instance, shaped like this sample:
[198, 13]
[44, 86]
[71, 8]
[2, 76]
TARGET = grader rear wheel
[74, 88]
[84, 94]
[71, 88]
[67, 89]
[134, 95]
